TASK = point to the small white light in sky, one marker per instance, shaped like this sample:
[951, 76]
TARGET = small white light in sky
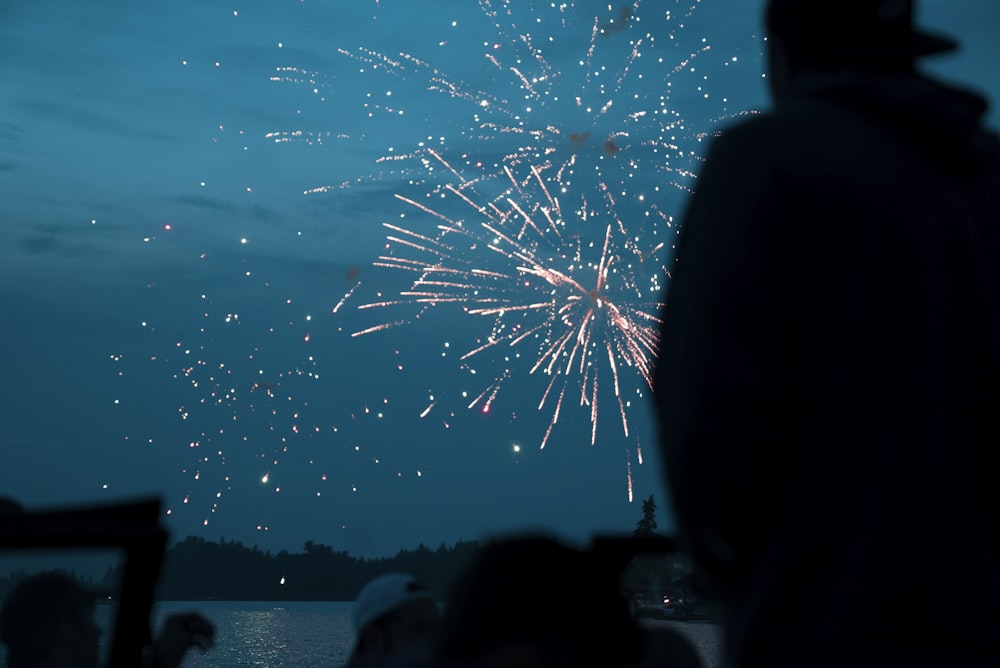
[264, 479]
[243, 240]
[517, 448]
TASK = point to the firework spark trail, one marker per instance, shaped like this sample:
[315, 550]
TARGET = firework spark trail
[628, 473]
[535, 284]
[347, 295]
[601, 112]
[647, 113]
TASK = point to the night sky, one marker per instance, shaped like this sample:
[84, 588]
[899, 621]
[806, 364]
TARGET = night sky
[247, 247]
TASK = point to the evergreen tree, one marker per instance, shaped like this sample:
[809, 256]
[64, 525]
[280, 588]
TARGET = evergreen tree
[646, 526]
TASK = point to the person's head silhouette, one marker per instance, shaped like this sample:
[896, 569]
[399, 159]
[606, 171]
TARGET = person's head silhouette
[805, 37]
[47, 621]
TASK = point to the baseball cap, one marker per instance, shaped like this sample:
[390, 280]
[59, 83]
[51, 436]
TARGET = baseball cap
[863, 30]
[383, 595]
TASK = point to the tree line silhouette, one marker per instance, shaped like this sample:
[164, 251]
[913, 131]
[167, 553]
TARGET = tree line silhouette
[199, 569]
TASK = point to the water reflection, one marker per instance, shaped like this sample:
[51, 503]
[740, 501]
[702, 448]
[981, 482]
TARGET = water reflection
[271, 635]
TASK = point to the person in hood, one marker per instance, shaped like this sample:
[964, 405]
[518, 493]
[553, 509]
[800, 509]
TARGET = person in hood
[828, 379]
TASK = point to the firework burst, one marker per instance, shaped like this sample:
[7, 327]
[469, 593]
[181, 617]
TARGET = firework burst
[538, 193]
[581, 310]
[559, 241]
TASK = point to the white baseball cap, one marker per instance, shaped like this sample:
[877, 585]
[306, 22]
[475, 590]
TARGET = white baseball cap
[383, 595]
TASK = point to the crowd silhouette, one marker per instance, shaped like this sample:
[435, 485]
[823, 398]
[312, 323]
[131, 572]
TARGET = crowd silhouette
[827, 393]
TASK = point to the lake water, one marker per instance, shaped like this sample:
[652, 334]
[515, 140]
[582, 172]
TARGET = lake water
[307, 634]
[259, 634]
[304, 634]
[271, 634]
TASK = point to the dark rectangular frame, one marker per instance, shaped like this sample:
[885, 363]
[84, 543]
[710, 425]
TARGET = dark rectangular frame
[132, 526]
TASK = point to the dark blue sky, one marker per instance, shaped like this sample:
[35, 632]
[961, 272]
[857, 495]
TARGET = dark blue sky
[189, 190]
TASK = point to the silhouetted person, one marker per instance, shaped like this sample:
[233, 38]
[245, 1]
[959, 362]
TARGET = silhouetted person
[828, 384]
[179, 633]
[393, 617]
[47, 621]
[533, 602]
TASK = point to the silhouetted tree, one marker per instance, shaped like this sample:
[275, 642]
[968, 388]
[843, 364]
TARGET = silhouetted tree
[646, 526]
